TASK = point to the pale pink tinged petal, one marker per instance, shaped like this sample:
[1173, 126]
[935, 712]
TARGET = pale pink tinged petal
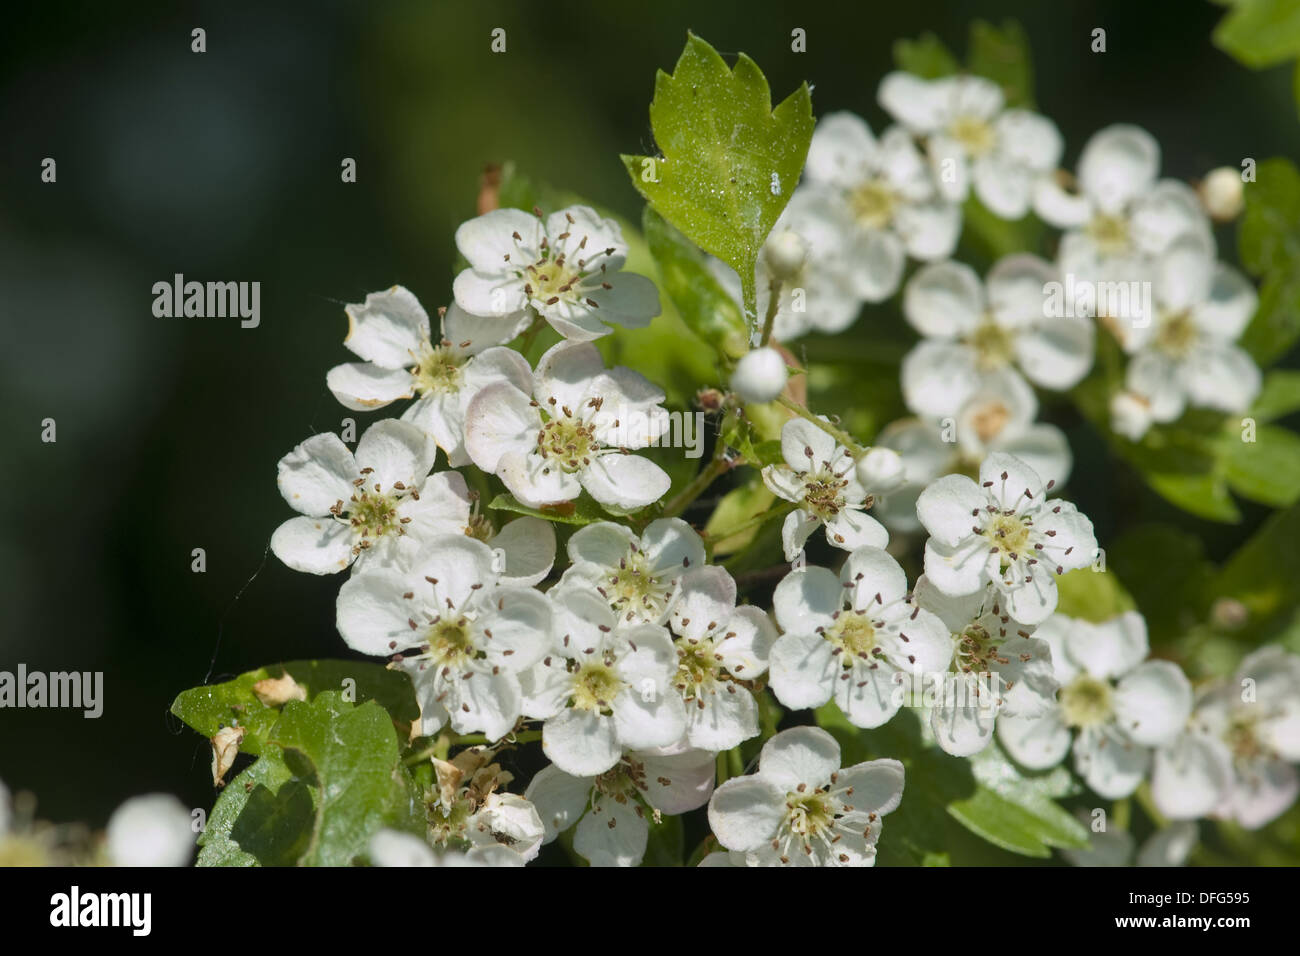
[317, 474]
[678, 781]
[387, 328]
[362, 386]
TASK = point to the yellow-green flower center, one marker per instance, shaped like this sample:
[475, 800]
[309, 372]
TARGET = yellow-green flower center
[854, 637]
[994, 346]
[873, 203]
[1009, 534]
[437, 370]
[974, 134]
[1110, 233]
[568, 443]
[1176, 334]
[1086, 702]
[595, 685]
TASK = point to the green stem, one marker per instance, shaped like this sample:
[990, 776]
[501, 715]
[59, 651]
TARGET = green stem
[710, 473]
[773, 301]
[531, 334]
[442, 746]
[749, 293]
[841, 436]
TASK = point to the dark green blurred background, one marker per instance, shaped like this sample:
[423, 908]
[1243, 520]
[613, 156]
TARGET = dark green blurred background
[225, 166]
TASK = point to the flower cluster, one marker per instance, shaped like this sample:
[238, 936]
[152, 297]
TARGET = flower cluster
[633, 656]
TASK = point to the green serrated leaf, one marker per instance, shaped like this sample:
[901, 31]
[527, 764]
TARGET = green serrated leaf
[581, 511]
[1261, 574]
[926, 56]
[351, 759]
[1276, 325]
[704, 305]
[272, 832]
[1261, 33]
[208, 709]
[1002, 55]
[729, 161]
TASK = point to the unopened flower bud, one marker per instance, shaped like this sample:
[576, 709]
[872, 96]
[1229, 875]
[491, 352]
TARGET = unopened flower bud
[785, 253]
[1221, 193]
[880, 470]
[759, 376]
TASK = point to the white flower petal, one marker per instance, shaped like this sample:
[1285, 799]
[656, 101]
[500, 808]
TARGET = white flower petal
[317, 474]
[313, 545]
[362, 386]
[581, 743]
[802, 755]
[388, 328]
[1153, 702]
[746, 812]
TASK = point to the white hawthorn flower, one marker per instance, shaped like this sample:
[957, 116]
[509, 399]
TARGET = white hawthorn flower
[566, 269]
[998, 669]
[152, 830]
[854, 638]
[1117, 704]
[973, 329]
[602, 689]
[887, 187]
[1003, 531]
[1121, 216]
[573, 433]
[1235, 759]
[1000, 416]
[524, 547]
[364, 510]
[390, 847]
[719, 646]
[819, 475]
[611, 808]
[815, 255]
[971, 138]
[637, 575]
[801, 809]
[1130, 415]
[391, 332]
[1187, 355]
[463, 637]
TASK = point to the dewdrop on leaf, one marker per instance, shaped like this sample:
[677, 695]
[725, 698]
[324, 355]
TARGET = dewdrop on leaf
[759, 376]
